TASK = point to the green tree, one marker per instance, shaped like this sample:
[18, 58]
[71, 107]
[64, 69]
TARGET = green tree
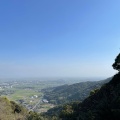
[116, 64]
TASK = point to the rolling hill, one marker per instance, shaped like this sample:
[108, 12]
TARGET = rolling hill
[102, 105]
[75, 92]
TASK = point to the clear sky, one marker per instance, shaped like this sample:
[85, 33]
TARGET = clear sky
[58, 38]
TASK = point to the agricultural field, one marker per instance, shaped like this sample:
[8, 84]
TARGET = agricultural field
[29, 93]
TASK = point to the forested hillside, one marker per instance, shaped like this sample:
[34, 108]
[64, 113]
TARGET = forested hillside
[75, 92]
[103, 105]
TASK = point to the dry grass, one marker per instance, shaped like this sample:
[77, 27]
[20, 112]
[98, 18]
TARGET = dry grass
[7, 111]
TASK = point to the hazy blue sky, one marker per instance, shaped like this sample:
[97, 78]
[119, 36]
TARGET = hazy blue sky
[59, 38]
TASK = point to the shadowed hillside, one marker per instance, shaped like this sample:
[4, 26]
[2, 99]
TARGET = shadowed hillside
[105, 104]
[102, 105]
[75, 92]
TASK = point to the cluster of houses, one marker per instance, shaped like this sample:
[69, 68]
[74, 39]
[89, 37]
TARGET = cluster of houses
[5, 86]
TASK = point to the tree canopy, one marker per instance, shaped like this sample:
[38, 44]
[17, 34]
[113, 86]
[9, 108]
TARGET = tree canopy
[116, 64]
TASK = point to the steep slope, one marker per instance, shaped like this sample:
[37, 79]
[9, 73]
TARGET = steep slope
[74, 92]
[9, 110]
[103, 105]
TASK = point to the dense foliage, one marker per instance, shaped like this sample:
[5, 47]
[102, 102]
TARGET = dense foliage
[116, 64]
[70, 93]
[103, 104]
